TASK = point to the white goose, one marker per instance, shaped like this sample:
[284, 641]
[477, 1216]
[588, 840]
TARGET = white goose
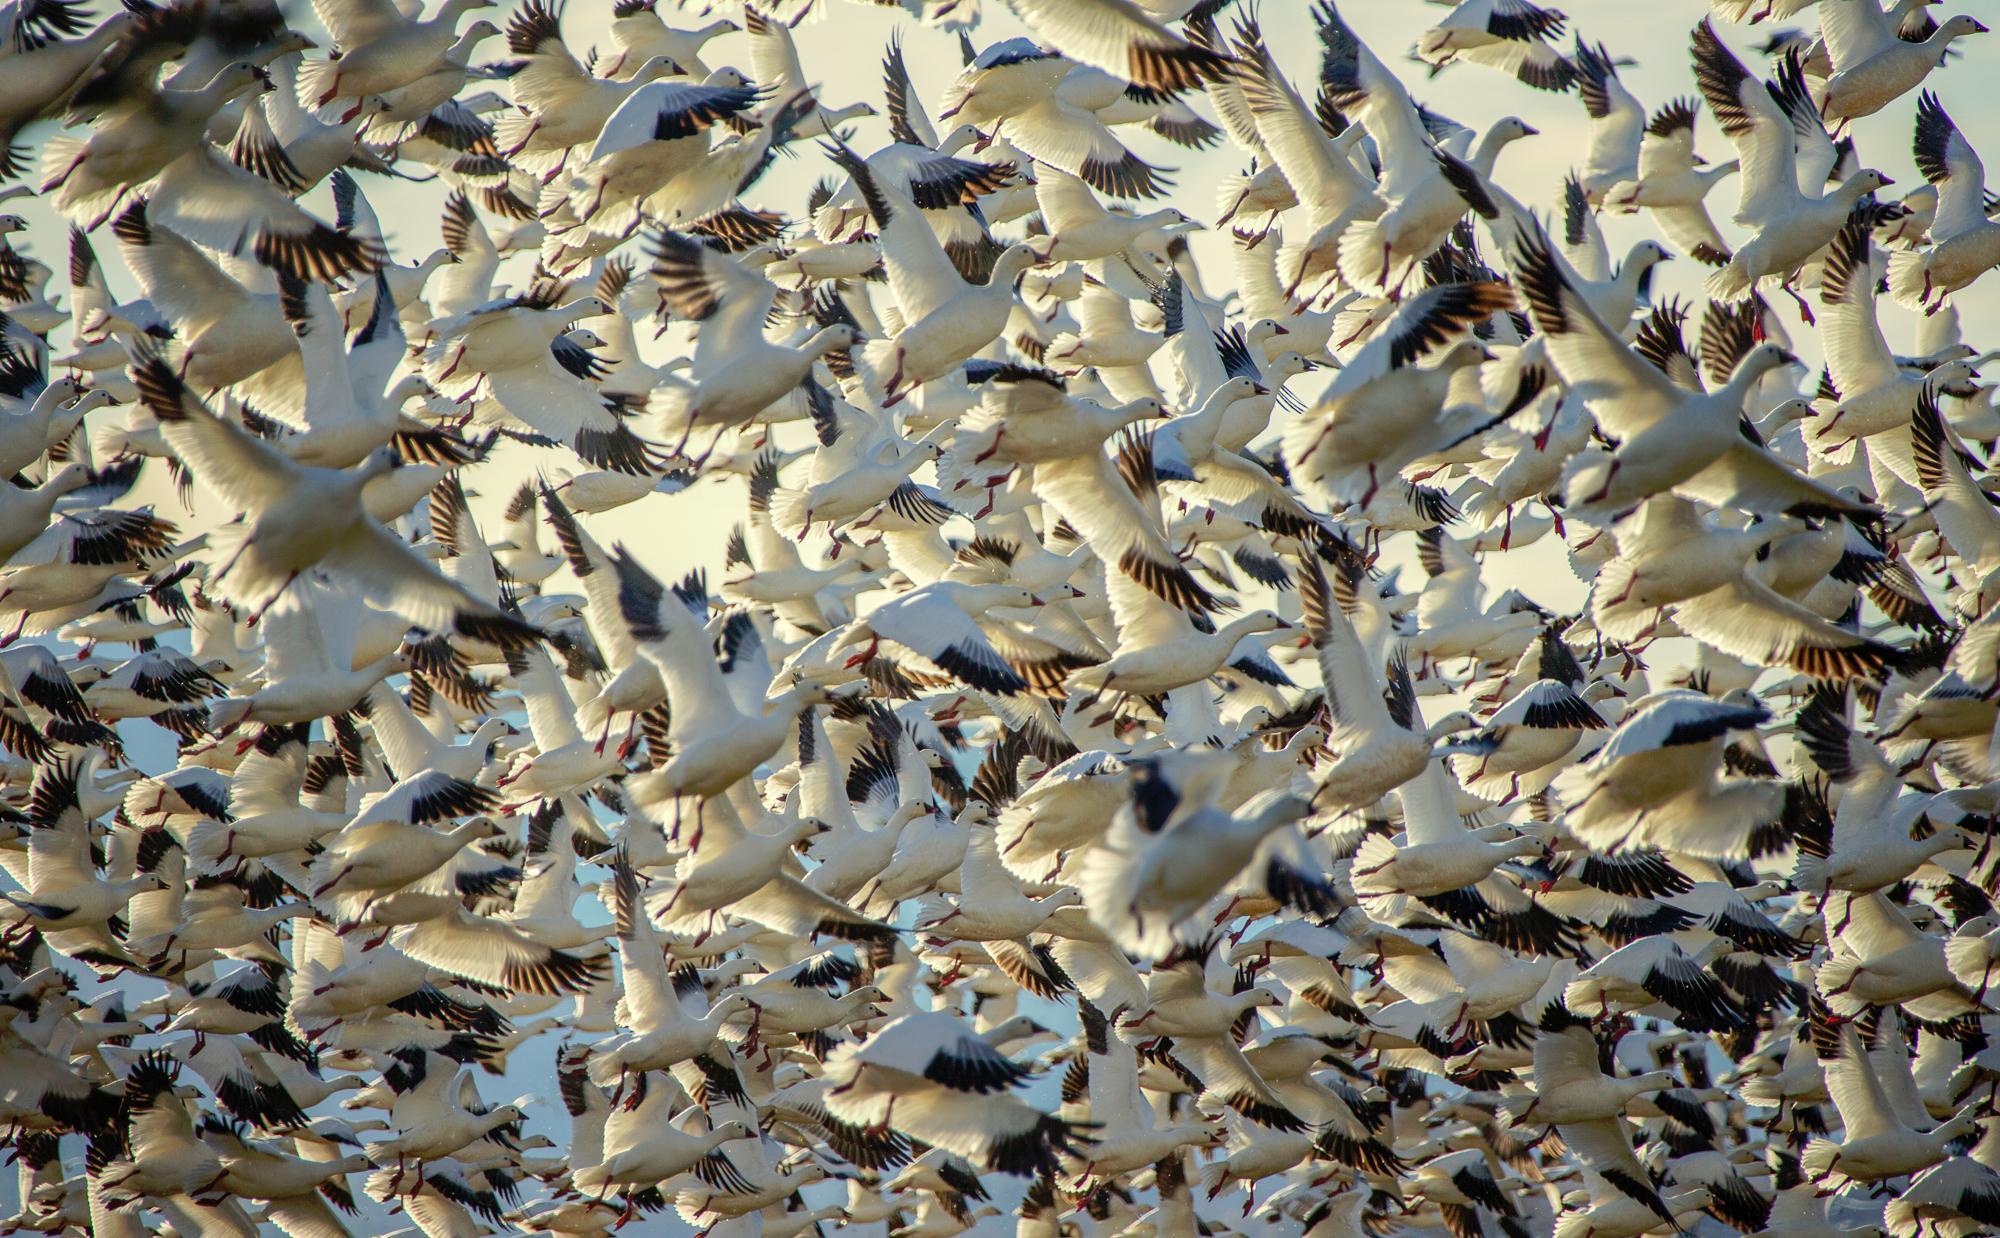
[1963, 243]
[1793, 220]
[1872, 64]
[303, 516]
[737, 372]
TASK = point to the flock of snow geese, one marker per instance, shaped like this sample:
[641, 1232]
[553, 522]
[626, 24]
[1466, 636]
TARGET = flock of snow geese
[1056, 812]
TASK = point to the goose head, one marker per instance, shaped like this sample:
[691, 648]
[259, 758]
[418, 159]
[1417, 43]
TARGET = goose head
[588, 306]
[1865, 182]
[1241, 387]
[1012, 263]
[475, 34]
[840, 116]
[1758, 362]
[727, 1005]
[1954, 378]
[840, 337]
[1263, 331]
[977, 599]
[1255, 997]
[1462, 354]
[12, 223]
[1506, 130]
[1451, 724]
[1959, 27]
[59, 392]
[1646, 255]
[1252, 623]
[1795, 409]
[229, 81]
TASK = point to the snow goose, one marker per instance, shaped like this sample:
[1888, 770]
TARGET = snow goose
[1961, 1188]
[48, 67]
[1652, 972]
[1570, 1085]
[269, 818]
[136, 137]
[1383, 410]
[1963, 243]
[63, 891]
[1011, 90]
[647, 1143]
[1137, 881]
[1451, 870]
[894, 185]
[1130, 1138]
[163, 1155]
[1654, 781]
[861, 460]
[1669, 550]
[302, 516]
[657, 1032]
[1876, 394]
[1080, 229]
[1793, 222]
[213, 201]
[639, 34]
[1872, 65]
[1157, 651]
[929, 1077]
[1877, 956]
[436, 1112]
[737, 372]
[940, 625]
[1123, 39]
[1672, 185]
[40, 412]
[731, 864]
[73, 568]
[1064, 809]
[659, 132]
[716, 744]
[1535, 729]
[388, 843]
[774, 59]
[349, 408]
[1198, 1025]
[1667, 435]
[1875, 1141]
[1618, 1196]
[1748, 618]
[933, 344]
[1508, 35]
[562, 107]
[1374, 742]
[226, 331]
[1957, 501]
[533, 373]
[1617, 123]
[1307, 168]
[1420, 205]
[991, 904]
[1025, 415]
[1872, 845]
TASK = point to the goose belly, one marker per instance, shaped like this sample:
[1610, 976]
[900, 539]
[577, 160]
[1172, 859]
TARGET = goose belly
[1436, 868]
[1958, 261]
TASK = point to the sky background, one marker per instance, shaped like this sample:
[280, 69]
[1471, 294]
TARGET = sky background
[841, 48]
